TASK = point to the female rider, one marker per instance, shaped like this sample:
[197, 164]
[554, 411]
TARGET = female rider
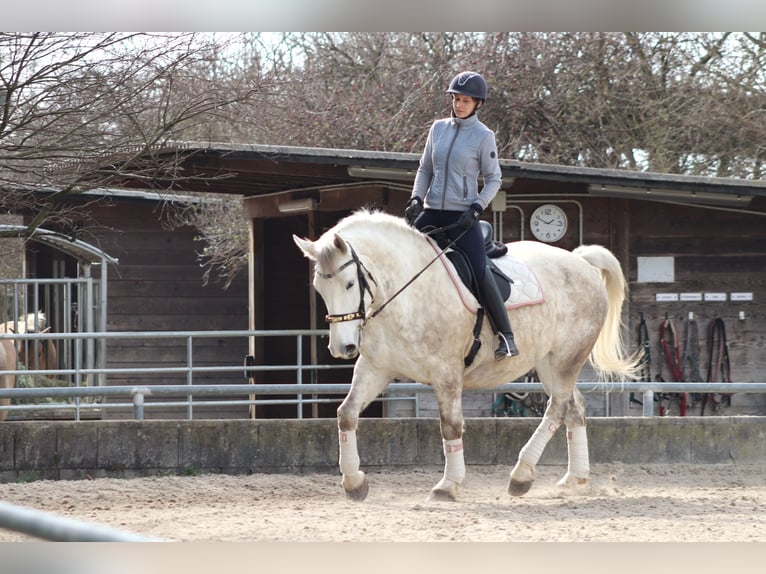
[446, 191]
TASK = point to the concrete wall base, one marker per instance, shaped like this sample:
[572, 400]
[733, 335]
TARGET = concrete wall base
[66, 450]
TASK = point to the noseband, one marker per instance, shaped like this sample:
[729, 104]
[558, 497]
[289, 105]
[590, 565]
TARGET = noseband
[363, 286]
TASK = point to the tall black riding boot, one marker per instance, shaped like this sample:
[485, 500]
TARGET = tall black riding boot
[495, 306]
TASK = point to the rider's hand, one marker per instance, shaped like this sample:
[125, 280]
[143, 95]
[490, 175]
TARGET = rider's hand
[413, 209]
[470, 216]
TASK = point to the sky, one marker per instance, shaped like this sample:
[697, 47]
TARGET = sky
[393, 15]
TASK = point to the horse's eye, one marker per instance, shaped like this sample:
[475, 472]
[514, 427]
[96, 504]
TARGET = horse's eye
[349, 285]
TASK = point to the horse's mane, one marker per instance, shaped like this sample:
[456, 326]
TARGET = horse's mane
[375, 217]
[371, 223]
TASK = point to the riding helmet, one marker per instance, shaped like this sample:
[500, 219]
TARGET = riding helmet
[469, 84]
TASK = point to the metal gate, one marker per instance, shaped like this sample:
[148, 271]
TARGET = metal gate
[65, 305]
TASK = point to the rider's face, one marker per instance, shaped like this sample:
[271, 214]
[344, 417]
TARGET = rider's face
[463, 106]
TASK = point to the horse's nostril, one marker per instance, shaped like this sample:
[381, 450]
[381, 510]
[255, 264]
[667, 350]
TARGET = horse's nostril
[350, 350]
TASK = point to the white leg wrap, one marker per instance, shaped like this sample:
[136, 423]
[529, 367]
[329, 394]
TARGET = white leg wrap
[349, 455]
[533, 450]
[454, 464]
[577, 447]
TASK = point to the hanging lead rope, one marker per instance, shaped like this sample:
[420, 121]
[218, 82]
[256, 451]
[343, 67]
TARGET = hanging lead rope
[691, 356]
[718, 367]
[646, 364]
[673, 357]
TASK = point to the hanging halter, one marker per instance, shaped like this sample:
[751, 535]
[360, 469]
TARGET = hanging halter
[363, 286]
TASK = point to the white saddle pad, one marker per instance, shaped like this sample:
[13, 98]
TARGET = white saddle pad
[525, 290]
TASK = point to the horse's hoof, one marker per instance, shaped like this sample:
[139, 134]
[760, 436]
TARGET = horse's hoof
[519, 488]
[359, 493]
[441, 495]
[578, 483]
[444, 491]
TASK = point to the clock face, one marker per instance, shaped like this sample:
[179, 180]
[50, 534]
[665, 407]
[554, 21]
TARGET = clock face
[548, 223]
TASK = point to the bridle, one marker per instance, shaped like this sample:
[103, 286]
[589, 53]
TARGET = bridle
[364, 285]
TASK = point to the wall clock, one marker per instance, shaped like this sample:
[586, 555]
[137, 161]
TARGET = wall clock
[548, 223]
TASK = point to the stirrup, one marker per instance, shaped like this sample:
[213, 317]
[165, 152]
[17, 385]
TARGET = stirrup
[507, 347]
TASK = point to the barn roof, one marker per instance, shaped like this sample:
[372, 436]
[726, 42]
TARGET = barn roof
[80, 250]
[252, 170]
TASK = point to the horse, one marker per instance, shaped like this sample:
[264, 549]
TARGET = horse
[7, 363]
[424, 332]
[44, 356]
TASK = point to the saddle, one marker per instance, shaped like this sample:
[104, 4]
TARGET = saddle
[493, 250]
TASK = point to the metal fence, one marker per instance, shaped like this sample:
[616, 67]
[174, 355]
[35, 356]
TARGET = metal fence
[79, 395]
[56, 528]
[71, 305]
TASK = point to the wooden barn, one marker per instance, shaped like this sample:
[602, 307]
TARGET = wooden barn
[140, 276]
[691, 247]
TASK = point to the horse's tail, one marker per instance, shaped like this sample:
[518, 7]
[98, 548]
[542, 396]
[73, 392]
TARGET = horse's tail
[609, 356]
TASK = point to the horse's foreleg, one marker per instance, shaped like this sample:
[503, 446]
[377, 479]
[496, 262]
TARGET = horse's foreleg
[451, 419]
[365, 386]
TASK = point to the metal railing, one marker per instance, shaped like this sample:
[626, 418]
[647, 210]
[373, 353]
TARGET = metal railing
[304, 393]
[49, 526]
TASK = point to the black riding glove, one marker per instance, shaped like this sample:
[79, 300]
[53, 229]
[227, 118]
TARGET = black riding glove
[470, 216]
[413, 209]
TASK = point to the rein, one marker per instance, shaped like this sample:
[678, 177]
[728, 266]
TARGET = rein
[419, 273]
[365, 286]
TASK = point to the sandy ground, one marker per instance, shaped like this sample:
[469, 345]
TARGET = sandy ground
[631, 503]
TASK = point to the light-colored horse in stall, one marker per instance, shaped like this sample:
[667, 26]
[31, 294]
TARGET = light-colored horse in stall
[43, 356]
[35, 354]
[425, 331]
[7, 363]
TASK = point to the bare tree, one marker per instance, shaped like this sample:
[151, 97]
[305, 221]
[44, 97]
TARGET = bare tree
[80, 111]
[669, 102]
[83, 111]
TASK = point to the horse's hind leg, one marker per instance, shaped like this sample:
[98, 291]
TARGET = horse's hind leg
[578, 465]
[564, 406]
[523, 474]
[449, 398]
[366, 384]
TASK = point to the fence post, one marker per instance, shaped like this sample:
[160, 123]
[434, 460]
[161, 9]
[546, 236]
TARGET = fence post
[138, 404]
[648, 403]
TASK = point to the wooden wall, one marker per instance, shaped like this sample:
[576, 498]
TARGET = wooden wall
[713, 251]
[158, 287]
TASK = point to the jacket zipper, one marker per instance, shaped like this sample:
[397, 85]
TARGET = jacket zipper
[446, 165]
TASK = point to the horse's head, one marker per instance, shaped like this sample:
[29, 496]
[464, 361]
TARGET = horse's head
[341, 280]
[32, 323]
[37, 323]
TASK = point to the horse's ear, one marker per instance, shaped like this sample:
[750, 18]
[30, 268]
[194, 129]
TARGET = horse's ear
[306, 246]
[339, 244]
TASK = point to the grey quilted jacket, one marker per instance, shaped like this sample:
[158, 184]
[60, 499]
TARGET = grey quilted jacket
[456, 152]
